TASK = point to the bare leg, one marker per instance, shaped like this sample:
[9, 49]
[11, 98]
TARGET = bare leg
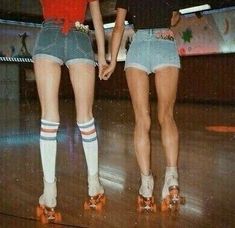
[166, 80]
[83, 81]
[48, 75]
[138, 83]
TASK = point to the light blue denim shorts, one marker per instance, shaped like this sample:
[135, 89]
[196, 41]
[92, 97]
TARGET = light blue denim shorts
[73, 47]
[152, 49]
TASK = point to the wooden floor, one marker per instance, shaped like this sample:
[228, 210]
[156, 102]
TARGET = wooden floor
[206, 167]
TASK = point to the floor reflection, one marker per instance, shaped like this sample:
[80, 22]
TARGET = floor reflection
[206, 166]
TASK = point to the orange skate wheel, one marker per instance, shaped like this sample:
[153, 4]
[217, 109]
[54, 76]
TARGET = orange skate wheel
[39, 211]
[86, 205]
[152, 199]
[103, 199]
[164, 206]
[140, 199]
[98, 206]
[139, 209]
[43, 219]
[154, 208]
[58, 217]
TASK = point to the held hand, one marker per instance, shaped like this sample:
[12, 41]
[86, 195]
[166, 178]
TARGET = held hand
[108, 70]
[102, 64]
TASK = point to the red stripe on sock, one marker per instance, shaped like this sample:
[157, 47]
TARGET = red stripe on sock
[88, 132]
[49, 130]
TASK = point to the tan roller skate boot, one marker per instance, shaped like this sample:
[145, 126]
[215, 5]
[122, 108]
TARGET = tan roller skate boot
[96, 198]
[171, 198]
[47, 203]
[145, 201]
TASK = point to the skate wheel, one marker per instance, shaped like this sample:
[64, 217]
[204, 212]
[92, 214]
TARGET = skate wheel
[139, 209]
[139, 200]
[98, 207]
[39, 211]
[103, 200]
[152, 199]
[164, 206]
[58, 217]
[86, 205]
[154, 208]
[43, 219]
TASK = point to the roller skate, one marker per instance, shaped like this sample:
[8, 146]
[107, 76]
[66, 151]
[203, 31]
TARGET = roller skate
[171, 198]
[47, 202]
[146, 204]
[96, 199]
[145, 200]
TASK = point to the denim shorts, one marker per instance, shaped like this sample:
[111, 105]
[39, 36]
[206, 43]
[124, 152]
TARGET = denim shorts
[73, 47]
[152, 49]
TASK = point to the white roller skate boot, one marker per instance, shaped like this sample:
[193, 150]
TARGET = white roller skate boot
[96, 198]
[47, 203]
[145, 200]
[171, 198]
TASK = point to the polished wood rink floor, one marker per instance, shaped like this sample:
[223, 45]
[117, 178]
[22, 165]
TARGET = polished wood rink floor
[206, 167]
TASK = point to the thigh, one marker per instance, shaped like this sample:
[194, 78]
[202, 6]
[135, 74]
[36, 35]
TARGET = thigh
[82, 77]
[166, 82]
[138, 84]
[48, 75]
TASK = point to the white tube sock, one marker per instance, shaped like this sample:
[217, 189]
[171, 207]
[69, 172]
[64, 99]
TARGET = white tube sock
[90, 145]
[48, 148]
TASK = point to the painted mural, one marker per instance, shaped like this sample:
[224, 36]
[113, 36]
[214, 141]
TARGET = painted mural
[211, 32]
[208, 33]
[17, 40]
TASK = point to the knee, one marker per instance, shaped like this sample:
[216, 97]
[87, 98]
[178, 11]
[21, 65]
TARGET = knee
[143, 122]
[165, 117]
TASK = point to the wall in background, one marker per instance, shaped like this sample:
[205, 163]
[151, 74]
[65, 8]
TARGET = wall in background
[212, 33]
[9, 81]
[205, 78]
[212, 75]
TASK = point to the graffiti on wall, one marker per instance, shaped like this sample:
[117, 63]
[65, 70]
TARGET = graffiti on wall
[17, 40]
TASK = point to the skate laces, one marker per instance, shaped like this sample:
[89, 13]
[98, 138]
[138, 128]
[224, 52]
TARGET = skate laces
[94, 186]
[147, 185]
[171, 183]
[172, 180]
[48, 198]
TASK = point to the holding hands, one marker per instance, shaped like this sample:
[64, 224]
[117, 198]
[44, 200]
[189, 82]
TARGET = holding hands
[106, 70]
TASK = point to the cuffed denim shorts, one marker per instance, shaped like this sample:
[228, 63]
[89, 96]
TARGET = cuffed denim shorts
[73, 47]
[152, 49]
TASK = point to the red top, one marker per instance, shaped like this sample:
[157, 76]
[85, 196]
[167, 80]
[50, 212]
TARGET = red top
[69, 11]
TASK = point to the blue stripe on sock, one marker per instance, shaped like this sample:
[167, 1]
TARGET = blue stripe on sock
[48, 138]
[89, 140]
[86, 126]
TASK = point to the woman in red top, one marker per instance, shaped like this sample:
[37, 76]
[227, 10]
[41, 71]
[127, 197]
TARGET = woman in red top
[63, 39]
